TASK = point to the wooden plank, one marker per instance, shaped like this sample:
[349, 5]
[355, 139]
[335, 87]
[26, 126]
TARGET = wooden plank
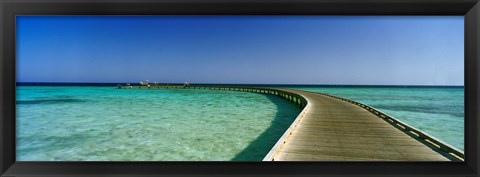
[336, 130]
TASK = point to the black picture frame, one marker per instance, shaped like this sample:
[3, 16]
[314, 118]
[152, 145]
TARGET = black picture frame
[11, 8]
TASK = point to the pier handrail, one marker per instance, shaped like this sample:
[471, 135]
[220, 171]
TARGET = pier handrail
[435, 144]
[426, 138]
[284, 94]
[283, 139]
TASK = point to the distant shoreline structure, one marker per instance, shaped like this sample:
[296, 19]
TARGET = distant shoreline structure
[229, 84]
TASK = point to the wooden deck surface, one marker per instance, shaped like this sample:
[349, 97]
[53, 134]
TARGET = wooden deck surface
[335, 130]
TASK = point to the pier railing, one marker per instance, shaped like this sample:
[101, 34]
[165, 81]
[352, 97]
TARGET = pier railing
[438, 145]
[289, 96]
[292, 97]
[434, 143]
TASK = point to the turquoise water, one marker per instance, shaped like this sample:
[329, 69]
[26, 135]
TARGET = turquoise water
[438, 111]
[106, 124]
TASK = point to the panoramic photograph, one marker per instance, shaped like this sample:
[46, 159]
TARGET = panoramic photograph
[240, 88]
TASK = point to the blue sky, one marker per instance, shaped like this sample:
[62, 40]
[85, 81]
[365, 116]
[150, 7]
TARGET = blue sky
[364, 50]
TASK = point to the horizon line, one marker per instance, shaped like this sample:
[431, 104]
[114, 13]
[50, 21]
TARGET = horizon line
[239, 83]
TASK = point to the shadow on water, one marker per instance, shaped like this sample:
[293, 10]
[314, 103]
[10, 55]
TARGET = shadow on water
[285, 115]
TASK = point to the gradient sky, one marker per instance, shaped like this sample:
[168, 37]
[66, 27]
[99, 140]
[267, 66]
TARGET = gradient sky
[366, 50]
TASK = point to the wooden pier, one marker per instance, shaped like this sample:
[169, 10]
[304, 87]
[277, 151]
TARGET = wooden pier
[337, 130]
[331, 128]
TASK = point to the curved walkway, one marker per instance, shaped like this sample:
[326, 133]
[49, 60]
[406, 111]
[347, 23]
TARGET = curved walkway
[336, 130]
[331, 128]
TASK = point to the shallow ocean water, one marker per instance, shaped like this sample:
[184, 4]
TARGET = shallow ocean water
[438, 111]
[105, 124]
[57, 123]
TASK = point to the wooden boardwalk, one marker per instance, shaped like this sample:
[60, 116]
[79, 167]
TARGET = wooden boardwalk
[331, 128]
[336, 130]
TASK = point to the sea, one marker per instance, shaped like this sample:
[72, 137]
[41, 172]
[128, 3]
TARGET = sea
[96, 122]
